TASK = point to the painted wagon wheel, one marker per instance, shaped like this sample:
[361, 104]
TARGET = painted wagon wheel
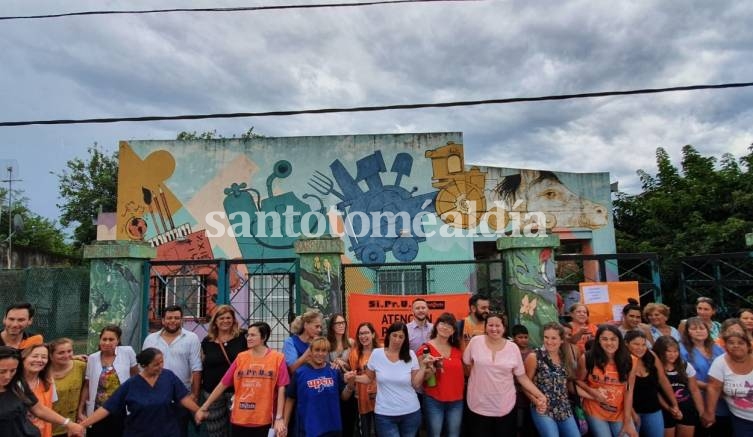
[458, 202]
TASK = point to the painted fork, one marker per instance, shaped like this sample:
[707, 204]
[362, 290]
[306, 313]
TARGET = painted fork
[323, 185]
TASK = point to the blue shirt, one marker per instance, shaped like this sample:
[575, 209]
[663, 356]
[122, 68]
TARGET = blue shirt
[293, 347]
[702, 365]
[149, 411]
[317, 395]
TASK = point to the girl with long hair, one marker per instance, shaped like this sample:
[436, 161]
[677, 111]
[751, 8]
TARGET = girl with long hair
[649, 379]
[681, 376]
[340, 347]
[551, 367]
[607, 374]
[699, 349]
[365, 394]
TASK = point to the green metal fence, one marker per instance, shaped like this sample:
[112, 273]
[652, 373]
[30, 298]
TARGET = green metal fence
[60, 296]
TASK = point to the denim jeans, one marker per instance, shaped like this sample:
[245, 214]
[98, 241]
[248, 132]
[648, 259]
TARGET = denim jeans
[652, 424]
[547, 426]
[602, 428]
[438, 413]
[405, 425]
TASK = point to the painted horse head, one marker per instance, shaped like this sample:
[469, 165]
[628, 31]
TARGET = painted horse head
[542, 191]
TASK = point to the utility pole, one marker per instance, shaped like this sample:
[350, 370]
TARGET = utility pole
[10, 181]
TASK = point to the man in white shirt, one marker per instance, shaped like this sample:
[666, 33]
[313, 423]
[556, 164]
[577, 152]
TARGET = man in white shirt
[181, 350]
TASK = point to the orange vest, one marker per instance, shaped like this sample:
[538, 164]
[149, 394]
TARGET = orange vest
[255, 383]
[470, 330]
[366, 393]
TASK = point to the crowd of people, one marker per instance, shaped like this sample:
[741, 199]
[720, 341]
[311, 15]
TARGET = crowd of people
[434, 377]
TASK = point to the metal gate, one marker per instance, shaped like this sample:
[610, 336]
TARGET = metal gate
[727, 278]
[259, 290]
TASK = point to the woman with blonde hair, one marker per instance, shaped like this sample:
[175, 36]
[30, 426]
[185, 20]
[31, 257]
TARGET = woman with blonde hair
[657, 315]
[68, 375]
[224, 341]
[303, 329]
[259, 376]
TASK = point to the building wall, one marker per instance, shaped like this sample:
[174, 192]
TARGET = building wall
[183, 195]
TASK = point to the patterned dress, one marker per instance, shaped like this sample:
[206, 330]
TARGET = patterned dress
[551, 379]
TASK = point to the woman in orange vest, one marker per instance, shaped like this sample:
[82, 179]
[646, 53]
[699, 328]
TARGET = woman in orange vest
[259, 376]
[36, 368]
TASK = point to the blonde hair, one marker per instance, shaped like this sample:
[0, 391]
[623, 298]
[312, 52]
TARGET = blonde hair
[320, 342]
[653, 307]
[214, 331]
[297, 325]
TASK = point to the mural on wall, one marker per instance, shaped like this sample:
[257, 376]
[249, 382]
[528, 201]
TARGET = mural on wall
[531, 294]
[188, 199]
[542, 191]
[239, 198]
[379, 198]
[320, 283]
[114, 291]
[461, 200]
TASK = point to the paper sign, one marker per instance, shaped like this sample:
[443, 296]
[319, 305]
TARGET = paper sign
[617, 312]
[595, 294]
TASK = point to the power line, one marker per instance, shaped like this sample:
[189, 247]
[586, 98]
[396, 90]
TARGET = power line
[380, 108]
[235, 9]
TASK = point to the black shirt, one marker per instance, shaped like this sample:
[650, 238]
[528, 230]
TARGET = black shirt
[215, 364]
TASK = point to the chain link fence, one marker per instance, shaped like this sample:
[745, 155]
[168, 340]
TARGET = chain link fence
[59, 295]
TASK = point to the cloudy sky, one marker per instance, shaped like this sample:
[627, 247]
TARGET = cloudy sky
[194, 63]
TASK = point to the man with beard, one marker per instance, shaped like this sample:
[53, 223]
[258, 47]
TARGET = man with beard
[473, 325]
[18, 317]
[181, 352]
[419, 329]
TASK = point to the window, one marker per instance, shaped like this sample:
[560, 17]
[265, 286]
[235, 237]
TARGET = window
[269, 301]
[400, 282]
[189, 292]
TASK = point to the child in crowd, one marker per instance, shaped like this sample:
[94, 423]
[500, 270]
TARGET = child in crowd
[681, 377]
[522, 403]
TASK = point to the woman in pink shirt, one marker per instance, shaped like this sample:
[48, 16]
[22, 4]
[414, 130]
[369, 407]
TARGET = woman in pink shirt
[495, 363]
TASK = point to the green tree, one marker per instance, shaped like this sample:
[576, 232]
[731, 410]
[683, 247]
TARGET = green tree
[37, 233]
[705, 206]
[213, 135]
[87, 187]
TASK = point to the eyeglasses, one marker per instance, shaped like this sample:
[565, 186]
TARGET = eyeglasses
[342, 322]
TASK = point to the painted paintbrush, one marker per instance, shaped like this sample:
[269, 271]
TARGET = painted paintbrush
[148, 201]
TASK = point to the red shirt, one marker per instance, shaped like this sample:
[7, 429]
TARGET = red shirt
[450, 377]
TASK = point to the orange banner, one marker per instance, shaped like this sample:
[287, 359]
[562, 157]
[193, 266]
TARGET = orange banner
[383, 310]
[606, 299]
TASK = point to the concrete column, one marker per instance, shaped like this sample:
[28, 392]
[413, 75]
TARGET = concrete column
[530, 282]
[116, 289]
[319, 275]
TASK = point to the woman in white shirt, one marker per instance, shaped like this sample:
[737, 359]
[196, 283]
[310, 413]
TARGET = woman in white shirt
[106, 370]
[398, 374]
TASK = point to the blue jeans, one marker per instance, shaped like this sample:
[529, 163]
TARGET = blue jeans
[652, 424]
[547, 426]
[602, 428]
[438, 413]
[405, 425]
